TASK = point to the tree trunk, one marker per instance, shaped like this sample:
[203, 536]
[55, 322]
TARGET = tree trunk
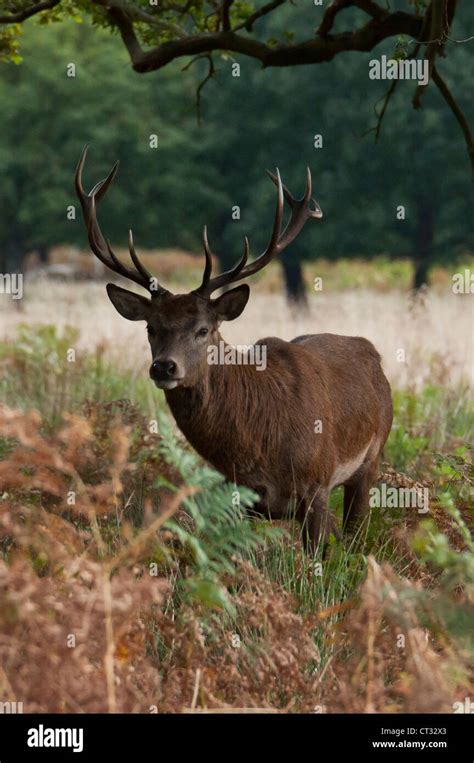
[424, 235]
[42, 250]
[294, 282]
[12, 253]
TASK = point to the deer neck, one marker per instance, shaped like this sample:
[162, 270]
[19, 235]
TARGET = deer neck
[207, 396]
[213, 411]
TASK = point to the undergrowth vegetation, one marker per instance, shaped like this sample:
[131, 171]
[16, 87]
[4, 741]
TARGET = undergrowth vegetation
[134, 578]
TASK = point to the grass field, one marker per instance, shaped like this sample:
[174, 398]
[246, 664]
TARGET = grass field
[127, 560]
[421, 341]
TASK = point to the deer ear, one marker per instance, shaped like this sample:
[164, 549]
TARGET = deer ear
[230, 305]
[132, 306]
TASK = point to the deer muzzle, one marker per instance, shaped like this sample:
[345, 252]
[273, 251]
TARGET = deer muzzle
[165, 374]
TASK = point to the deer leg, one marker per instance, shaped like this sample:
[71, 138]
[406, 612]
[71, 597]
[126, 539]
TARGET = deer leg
[356, 495]
[272, 505]
[318, 523]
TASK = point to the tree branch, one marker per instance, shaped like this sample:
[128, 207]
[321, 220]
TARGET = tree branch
[250, 20]
[437, 31]
[127, 32]
[313, 51]
[330, 14]
[388, 95]
[438, 18]
[372, 8]
[225, 17]
[329, 17]
[386, 100]
[210, 74]
[458, 113]
[17, 18]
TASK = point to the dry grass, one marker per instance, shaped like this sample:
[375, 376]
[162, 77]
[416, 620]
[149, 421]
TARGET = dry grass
[85, 627]
[435, 333]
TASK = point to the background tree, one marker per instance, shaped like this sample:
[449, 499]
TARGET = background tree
[201, 172]
[157, 32]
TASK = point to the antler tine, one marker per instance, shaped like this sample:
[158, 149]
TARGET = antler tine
[272, 247]
[78, 174]
[300, 213]
[209, 285]
[119, 267]
[287, 194]
[232, 275]
[139, 265]
[100, 188]
[155, 290]
[309, 186]
[98, 244]
[316, 211]
[208, 266]
[241, 270]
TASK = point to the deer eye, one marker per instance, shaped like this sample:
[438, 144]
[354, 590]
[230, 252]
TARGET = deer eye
[151, 331]
[202, 332]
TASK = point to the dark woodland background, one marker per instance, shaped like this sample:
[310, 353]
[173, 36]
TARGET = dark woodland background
[202, 168]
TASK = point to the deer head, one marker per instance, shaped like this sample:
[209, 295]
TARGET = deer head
[182, 326]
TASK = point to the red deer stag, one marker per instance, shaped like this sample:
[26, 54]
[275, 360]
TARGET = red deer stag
[318, 415]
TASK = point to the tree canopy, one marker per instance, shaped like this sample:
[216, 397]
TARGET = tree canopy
[200, 173]
[157, 32]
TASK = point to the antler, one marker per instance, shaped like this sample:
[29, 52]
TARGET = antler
[300, 213]
[98, 243]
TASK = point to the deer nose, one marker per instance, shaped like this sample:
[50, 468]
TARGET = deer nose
[161, 370]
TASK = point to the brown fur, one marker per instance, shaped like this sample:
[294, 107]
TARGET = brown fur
[257, 427]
